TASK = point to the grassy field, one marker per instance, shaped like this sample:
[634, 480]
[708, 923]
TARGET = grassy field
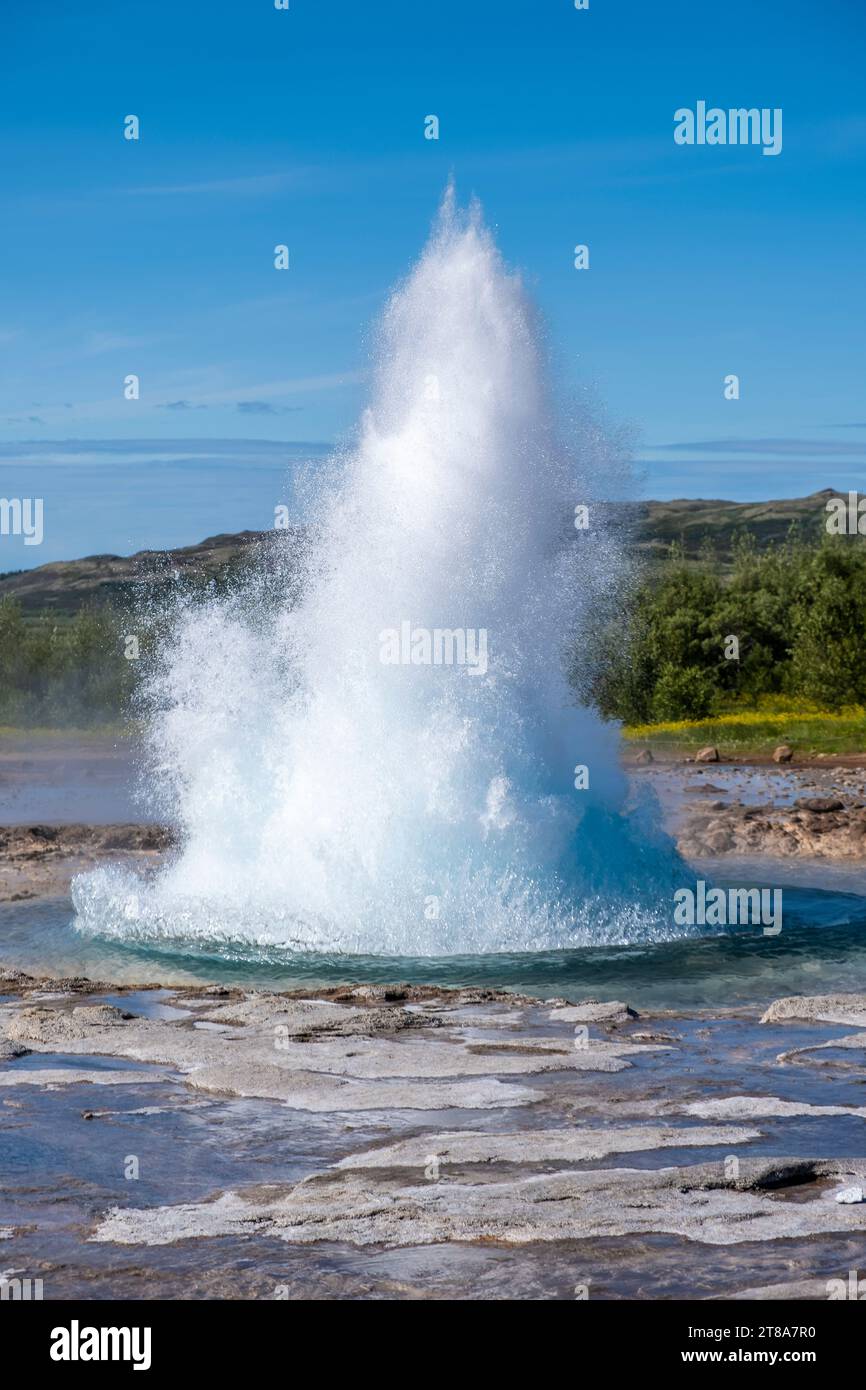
[743, 733]
[755, 733]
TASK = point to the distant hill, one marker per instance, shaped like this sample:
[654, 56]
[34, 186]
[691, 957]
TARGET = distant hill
[695, 522]
[64, 586]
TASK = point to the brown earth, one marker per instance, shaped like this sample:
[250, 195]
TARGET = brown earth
[41, 860]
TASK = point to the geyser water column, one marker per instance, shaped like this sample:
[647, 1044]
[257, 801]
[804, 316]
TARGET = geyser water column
[346, 772]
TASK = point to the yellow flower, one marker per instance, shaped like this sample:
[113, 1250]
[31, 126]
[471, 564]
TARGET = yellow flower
[747, 719]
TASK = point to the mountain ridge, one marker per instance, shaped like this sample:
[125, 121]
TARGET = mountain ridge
[64, 586]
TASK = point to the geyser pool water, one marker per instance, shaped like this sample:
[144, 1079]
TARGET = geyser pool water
[822, 950]
[332, 798]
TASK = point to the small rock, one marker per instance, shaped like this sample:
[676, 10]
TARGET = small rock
[43, 832]
[822, 1008]
[593, 1011]
[100, 1013]
[819, 803]
[783, 754]
[719, 841]
[707, 755]
[376, 994]
[644, 756]
[850, 1194]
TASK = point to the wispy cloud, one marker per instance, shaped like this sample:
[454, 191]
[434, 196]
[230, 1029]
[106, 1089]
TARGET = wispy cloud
[288, 386]
[72, 452]
[265, 408]
[722, 466]
[842, 135]
[114, 408]
[96, 343]
[250, 186]
[782, 447]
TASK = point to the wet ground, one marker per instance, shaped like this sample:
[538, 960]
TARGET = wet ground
[61, 778]
[128, 1178]
[174, 1142]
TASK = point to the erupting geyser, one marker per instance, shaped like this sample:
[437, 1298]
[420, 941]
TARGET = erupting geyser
[345, 771]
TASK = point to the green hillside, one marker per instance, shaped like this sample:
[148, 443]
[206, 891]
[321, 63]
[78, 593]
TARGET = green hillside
[696, 523]
[66, 586]
[764, 573]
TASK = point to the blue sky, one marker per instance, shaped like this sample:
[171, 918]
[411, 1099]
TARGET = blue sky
[306, 127]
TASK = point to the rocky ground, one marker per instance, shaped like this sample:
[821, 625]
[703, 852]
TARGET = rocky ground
[41, 860]
[812, 812]
[407, 1142]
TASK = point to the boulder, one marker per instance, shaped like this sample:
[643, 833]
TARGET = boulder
[707, 755]
[851, 1196]
[100, 1014]
[783, 754]
[849, 1009]
[593, 1011]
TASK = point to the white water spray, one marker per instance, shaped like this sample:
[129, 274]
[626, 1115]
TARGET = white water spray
[330, 799]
